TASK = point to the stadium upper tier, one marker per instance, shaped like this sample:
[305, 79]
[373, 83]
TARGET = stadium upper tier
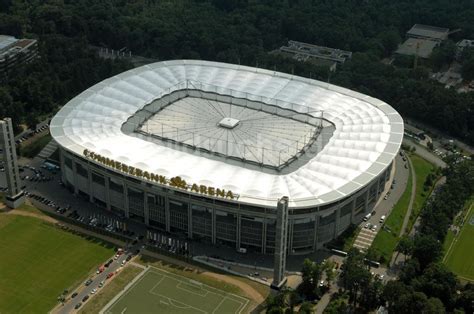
[365, 138]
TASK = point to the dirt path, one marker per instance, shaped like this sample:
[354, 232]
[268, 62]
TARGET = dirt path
[30, 214]
[247, 289]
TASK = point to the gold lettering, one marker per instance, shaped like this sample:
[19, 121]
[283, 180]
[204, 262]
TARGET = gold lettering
[175, 181]
[220, 192]
[124, 168]
[179, 183]
[162, 180]
[195, 188]
[110, 162]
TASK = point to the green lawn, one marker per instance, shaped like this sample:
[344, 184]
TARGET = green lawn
[460, 254]
[39, 261]
[422, 169]
[36, 146]
[386, 240]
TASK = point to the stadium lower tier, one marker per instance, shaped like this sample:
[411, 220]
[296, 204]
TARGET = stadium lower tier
[213, 220]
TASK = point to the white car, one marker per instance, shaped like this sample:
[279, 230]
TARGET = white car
[367, 225]
[94, 291]
[374, 227]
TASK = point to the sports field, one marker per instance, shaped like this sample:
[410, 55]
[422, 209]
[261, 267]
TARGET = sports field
[158, 291]
[460, 255]
[39, 261]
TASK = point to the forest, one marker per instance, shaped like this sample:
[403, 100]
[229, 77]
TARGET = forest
[241, 31]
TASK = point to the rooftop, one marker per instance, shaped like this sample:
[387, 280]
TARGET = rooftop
[417, 46]
[366, 137]
[429, 32]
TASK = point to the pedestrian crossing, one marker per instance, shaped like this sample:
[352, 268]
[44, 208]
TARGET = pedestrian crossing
[48, 150]
[364, 239]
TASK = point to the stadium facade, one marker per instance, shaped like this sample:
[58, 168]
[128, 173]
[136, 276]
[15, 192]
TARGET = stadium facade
[206, 149]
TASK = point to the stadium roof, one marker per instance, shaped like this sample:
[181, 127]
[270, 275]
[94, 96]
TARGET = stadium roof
[367, 134]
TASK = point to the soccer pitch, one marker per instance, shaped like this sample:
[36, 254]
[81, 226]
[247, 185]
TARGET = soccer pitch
[460, 255]
[158, 291]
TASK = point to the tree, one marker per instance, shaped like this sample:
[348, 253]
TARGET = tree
[427, 249]
[311, 275]
[434, 306]
[355, 275]
[430, 145]
[405, 246]
[306, 308]
[392, 292]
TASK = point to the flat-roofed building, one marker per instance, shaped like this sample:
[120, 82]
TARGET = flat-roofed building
[319, 55]
[15, 51]
[421, 40]
[428, 32]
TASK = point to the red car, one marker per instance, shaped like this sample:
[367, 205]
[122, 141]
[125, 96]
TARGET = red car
[110, 275]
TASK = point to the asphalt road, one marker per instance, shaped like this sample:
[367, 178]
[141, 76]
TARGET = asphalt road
[385, 206]
[83, 290]
[424, 153]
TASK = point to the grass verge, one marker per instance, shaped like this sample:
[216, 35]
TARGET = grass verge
[33, 148]
[422, 169]
[387, 238]
[109, 291]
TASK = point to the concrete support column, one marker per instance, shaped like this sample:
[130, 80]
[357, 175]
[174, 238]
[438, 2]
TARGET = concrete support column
[237, 231]
[74, 171]
[167, 214]
[62, 164]
[337, 220]
[264, 236]
[126, 205]
[213, 225]
[146, 210]
[366, 201]
[107, 193]
[377, 190]
[190, 221]
[353, 210]
[89, 185]
[316, 224]
[290, 236]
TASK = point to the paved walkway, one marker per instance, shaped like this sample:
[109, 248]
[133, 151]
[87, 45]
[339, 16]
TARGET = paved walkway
[48, 150]
[412, 197]
[396, 256]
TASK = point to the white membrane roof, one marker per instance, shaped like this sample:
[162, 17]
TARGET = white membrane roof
[367, 136]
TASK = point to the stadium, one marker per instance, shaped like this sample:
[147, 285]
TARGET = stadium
[205, 150]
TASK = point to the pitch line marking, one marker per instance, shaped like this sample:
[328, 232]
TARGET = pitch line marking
[190, 291]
